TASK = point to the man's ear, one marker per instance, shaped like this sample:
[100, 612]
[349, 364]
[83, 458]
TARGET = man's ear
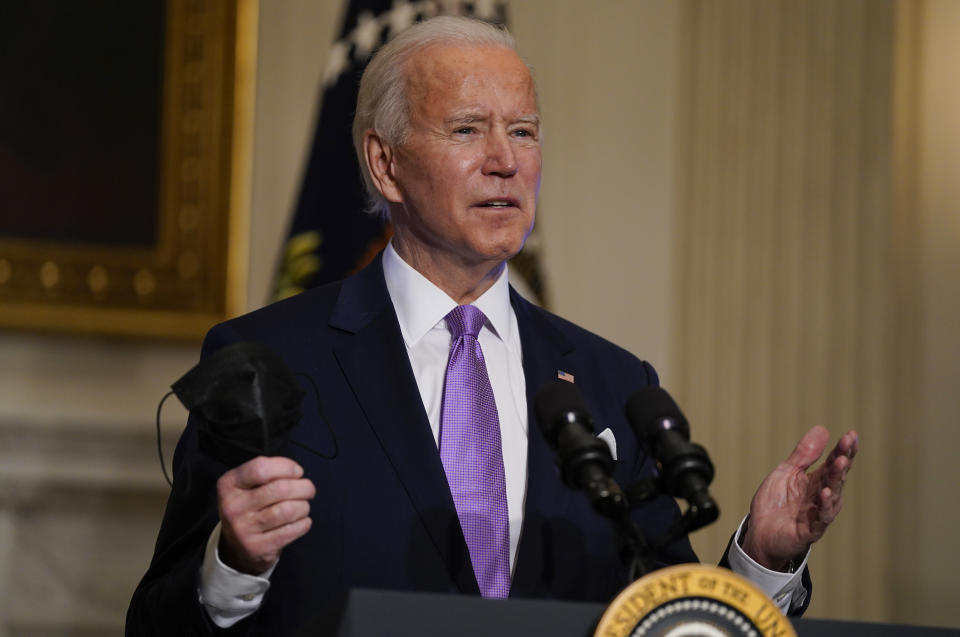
[379, 156]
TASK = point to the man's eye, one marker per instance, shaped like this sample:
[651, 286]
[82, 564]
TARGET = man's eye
[465, 130]
[522, 132]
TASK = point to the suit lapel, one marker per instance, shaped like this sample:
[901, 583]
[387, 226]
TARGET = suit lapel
[545, 350]
[374, 362]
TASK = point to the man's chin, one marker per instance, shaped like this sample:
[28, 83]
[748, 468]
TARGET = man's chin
[504, 253]
[508, 240]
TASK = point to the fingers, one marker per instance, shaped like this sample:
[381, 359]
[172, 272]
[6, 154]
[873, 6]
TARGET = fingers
[264, 505]
[840, 460]
[832, 478]
[258, 486]
[850, 443]
[284, 535]
[847, 445]
[270, 489]
[238, 501]
[809, 448]
[793, 507]
[835, 473]
[267, 507]
[262, 470]
[828, 507]
[272, 522]
[255, 553]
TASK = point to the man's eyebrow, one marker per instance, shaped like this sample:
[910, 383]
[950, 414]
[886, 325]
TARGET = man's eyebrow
[465, 118]
[469, 118]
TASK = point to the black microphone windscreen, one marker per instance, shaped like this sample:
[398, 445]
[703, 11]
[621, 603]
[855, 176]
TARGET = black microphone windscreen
[553, 401]
[648, 407]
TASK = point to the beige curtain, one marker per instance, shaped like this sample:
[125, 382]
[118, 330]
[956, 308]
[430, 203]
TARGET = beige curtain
[787, 263]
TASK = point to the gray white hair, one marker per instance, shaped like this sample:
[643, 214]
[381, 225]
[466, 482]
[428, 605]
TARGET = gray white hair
[382, 101]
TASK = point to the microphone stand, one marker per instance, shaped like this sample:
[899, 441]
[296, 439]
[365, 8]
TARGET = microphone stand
[684, 473]
[702, 509]
[611, 502]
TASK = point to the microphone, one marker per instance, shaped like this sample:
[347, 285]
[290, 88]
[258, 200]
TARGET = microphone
[584, 460]
[685, 467]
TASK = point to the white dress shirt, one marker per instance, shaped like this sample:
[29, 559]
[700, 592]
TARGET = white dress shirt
[229, 595]
[421, 307]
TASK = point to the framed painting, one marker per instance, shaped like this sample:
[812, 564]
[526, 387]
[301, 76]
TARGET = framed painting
[125, 154]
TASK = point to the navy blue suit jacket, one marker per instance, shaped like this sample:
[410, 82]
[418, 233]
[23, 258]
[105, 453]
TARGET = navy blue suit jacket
[383, 516]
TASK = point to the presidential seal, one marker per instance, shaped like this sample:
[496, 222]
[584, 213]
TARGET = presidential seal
[693, 600]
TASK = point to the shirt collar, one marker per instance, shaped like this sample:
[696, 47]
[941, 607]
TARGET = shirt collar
[420, 305]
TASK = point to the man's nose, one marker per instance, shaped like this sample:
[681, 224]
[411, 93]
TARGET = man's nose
[501, 159]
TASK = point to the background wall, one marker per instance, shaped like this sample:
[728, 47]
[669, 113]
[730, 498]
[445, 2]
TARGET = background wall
[786, 296]
[81, 495]
[926, 572]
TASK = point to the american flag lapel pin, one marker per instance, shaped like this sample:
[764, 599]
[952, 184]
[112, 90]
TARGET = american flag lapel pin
[562, 375]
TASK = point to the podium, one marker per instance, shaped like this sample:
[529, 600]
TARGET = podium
[368, 613]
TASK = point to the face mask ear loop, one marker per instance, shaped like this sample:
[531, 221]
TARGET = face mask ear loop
[159, 445]
[333, 436]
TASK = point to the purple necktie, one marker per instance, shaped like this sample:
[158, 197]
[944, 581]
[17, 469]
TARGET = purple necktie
[471, 453]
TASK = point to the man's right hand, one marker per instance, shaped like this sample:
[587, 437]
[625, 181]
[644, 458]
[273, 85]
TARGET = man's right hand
[264, 505]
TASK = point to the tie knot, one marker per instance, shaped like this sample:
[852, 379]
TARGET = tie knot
[465, 319]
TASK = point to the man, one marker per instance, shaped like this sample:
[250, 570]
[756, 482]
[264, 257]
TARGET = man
[380, 489]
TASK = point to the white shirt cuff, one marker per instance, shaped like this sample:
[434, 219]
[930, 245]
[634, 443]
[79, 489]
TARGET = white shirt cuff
[227, 594]
[785, 589]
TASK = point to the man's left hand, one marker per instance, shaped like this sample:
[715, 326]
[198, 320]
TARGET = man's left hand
[792, 508]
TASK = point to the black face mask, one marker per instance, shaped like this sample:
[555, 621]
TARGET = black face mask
[245, 402]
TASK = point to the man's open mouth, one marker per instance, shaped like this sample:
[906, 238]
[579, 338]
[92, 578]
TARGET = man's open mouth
[499, 203]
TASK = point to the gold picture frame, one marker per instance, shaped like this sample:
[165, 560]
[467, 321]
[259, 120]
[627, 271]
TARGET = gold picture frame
[191, 273]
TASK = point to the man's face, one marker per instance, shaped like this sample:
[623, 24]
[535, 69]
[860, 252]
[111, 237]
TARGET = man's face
[468, 173]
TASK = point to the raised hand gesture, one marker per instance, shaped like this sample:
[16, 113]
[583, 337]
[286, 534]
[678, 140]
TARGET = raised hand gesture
[792, 508]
